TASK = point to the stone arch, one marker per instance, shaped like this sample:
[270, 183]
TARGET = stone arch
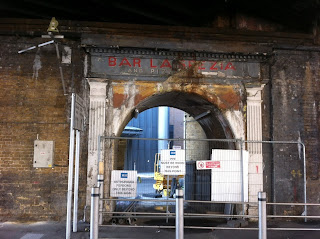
[214, 124]
[113, 109]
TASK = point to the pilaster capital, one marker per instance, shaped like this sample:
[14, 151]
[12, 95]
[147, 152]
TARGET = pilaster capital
[254, 93]
[97, 88]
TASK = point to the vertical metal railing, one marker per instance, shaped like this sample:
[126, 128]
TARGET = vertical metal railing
[76, 183]
[242, 176]
[94, 214]
[70, 170]
[100, 186]
[262, 199]
[179, 214]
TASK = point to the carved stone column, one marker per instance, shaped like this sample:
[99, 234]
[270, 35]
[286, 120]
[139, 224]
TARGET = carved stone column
[254, 132]
[97, 118]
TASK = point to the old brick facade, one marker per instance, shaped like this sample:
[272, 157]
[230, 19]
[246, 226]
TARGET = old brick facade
[295, 79]
[33, 104]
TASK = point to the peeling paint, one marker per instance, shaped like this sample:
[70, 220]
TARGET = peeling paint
[236, 120]
[118, 96]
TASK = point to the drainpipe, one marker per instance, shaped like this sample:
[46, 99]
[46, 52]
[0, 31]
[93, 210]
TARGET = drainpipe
[163, 133]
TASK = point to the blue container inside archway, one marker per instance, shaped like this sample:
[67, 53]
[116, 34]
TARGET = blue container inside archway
[140, 154]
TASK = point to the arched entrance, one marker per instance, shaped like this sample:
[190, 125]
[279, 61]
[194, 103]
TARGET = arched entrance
[226, 94]
[210, 119]
[214, 123]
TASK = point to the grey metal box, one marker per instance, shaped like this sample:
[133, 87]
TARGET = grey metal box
[43, 154]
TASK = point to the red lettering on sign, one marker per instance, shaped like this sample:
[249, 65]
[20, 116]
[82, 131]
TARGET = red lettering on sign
[151, 64]
[213, 67]
[124, 62]
[201, 66]
[112, 61]
[136, 61]
[213, 164]
[190, 63]
[165, 63]
[183, 64]
[229, 66]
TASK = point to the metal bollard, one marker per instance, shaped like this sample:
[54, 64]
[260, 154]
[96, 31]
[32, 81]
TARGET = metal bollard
[100, 185]
[262, 199]
[94, 214]
[179, 214]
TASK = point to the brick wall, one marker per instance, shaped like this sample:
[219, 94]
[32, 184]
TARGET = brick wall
[33, 104]
[176, 119]
[295, 114]
[196, 150]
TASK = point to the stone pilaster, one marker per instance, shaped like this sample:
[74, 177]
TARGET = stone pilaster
[254, 133]
[97, 118]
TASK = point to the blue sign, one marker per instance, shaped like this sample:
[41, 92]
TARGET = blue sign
[124, 175]
[172, 152]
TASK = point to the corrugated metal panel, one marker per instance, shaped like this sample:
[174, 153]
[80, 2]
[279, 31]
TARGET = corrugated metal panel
[142, 152]
[226, 181]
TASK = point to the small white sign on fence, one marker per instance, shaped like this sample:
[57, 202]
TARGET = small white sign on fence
[173, 162]
[123, 183]
[207, 164]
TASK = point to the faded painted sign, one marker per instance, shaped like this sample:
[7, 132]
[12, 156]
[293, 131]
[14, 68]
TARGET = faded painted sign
[155, 65]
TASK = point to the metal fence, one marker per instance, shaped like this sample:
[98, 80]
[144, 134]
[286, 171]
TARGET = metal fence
[201, 188]
[179, 216]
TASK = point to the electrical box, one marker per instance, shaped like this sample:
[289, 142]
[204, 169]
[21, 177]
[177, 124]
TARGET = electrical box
[43, 154]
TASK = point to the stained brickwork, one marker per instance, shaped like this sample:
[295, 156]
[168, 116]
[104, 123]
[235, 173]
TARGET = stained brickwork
[295, 116]
[33, 104]
[196, 150]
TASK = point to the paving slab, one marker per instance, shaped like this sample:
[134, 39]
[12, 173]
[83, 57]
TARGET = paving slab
[56, 230]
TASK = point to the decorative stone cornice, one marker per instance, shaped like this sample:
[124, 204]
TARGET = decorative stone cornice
[179, 54]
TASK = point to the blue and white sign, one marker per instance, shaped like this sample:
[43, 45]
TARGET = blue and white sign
[173, 162]
[172, 152]
[123, 183]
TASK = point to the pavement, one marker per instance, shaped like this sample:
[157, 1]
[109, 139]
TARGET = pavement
[57, 230]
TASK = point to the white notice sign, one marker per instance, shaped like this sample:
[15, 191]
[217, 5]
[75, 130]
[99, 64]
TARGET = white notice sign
[123, 183]
[207, 164]
[173, 162]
